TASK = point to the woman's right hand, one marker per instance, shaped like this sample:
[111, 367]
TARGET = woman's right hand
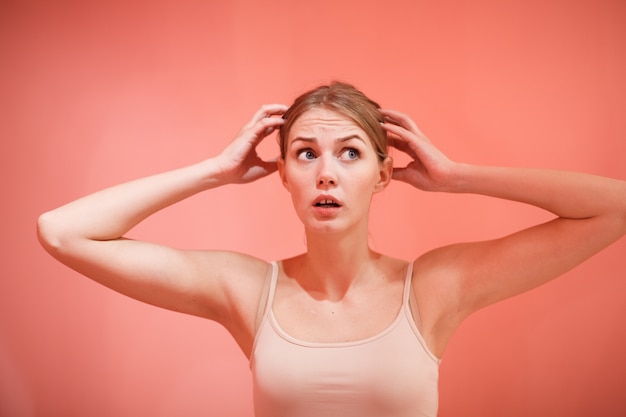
[239, 162]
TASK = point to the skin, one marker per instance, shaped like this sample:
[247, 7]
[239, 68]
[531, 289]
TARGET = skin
[320, 296]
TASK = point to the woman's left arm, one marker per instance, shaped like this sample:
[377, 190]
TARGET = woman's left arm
[590, 215]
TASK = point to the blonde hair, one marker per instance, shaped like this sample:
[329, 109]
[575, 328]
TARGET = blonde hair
[346, 100]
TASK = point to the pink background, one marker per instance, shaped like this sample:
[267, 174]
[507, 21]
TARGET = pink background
[95, 93]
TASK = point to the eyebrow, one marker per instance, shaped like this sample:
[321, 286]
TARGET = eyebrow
[338, 140]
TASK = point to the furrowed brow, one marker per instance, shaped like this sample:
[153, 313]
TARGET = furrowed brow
[348, 138]
[303, 139]
[339, 140]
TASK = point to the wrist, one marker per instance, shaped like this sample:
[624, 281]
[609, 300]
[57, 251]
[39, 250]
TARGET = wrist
[459, 178]
[211, 174]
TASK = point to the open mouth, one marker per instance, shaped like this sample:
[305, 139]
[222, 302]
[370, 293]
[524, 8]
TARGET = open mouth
[326, 203]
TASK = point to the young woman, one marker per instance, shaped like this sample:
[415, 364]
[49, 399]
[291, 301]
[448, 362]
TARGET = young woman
[339, 330]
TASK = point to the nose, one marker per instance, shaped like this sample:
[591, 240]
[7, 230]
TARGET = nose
[326, 176]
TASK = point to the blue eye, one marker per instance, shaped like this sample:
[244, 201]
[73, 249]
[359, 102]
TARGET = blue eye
[351, 154]
[306, 154]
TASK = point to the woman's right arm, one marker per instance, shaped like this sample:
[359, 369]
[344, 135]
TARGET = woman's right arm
[88, 234]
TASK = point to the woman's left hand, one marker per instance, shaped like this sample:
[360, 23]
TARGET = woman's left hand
[430, 169]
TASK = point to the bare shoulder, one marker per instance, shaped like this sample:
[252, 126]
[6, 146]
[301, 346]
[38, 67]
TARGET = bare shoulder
[240, 277]
[238, 281]
[438, 294]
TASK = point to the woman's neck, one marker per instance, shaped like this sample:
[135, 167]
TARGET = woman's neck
[334, 263]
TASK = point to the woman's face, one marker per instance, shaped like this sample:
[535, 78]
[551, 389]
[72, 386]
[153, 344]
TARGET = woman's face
[331, 170]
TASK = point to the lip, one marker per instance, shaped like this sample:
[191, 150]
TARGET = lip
[326, 197]
[326, 211]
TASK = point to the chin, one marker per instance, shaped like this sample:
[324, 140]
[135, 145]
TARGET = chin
[328, 227]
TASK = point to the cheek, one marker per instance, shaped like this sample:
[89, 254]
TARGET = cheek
[293, 183]
[367, 179]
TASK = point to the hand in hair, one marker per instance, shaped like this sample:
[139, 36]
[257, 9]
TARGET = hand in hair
[429, 169]
[239, 161]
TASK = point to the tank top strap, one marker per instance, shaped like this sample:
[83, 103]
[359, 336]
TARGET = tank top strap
[407, 284]
[267, 294]
[272, 286]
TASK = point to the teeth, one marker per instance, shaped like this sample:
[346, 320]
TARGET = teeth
[327, 203]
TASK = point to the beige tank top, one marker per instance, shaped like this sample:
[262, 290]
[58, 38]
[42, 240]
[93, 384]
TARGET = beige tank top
[391, 374]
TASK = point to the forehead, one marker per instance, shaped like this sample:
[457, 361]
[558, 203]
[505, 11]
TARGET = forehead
[319, 123]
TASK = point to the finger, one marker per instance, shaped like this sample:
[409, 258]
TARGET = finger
[402, 139]
[266, 126]
[270, 166]
[399, 174]
[401, 119]
[406, 134]
[392, 114]
[394, 140]
[402, 146]
[396, 117]
[398, 133]
[267, 111]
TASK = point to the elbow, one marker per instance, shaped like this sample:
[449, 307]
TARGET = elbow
[49, 233]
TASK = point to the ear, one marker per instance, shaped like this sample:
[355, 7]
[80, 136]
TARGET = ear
[280, 162]
[385, 174]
